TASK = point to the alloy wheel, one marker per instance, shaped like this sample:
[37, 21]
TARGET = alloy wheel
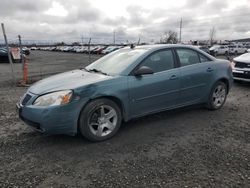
[103, 120]
[219, 96]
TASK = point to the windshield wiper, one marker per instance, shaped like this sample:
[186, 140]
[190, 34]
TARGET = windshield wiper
[98, 71]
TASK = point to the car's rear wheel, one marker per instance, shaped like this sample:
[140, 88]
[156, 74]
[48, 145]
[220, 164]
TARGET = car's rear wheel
[100, 120]
[217, 96]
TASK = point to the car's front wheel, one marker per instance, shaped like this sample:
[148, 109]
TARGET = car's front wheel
[217, 96]
[100, 120]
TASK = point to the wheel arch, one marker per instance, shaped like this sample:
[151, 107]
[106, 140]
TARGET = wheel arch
[226, 81]
[112, 98]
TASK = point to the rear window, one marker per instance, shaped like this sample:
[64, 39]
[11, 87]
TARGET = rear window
[187, 57]
[203, 58]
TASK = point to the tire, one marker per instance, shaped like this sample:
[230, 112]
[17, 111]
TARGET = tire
[217, 96]
[94, 122]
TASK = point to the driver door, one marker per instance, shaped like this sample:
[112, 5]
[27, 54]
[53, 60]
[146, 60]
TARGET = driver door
[157, 91]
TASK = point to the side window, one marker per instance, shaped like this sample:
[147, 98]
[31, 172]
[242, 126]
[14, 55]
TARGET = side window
[159, 61]
[203, 58]
[187, 57]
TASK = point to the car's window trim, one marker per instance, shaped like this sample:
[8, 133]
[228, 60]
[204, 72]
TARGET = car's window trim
[159, 50]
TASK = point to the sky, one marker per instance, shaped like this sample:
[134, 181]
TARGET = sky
[127, 20]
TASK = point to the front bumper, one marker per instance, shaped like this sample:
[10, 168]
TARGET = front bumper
[51, 120]
[241, 74]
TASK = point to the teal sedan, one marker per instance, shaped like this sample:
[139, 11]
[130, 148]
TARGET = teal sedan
[125, 84]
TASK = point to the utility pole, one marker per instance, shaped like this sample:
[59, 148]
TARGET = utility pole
[180, 29]
[82, 40]
[9, 55]
[114, 37]
[138, 43]
[89, 50]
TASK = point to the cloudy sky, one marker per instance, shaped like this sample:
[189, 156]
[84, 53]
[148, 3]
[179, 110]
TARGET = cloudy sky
[76, 20]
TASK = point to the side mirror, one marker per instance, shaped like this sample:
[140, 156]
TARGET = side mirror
[143, 70]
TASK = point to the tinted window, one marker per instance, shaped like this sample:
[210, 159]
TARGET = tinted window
[159, 61]
[203, 58]
[187, 57]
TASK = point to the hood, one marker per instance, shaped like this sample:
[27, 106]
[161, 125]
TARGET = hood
[68, 80]
[244, 58]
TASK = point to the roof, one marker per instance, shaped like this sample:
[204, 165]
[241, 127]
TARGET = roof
[159, 46]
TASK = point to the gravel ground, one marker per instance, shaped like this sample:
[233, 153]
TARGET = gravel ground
[44, 63]
[188, 147]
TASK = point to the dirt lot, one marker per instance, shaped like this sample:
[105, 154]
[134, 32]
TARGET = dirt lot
[190, 147]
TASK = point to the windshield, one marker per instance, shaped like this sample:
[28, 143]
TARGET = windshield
[116, 62]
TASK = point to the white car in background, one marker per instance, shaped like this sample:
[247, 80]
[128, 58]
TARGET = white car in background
[110, 49]
[237, 49]
[81, 49]
[241, 67]
[218, 50]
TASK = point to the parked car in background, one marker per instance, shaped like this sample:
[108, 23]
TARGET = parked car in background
[80, 49]
[237, 49]
[99, 49]
[125, 84]
[26, 51]
[218, 50]
[3, 55]
[33, 48]
[203, 48]
[241, 67]
[110, 49]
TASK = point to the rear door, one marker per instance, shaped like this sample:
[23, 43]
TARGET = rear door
[157, 91]
[196, 73]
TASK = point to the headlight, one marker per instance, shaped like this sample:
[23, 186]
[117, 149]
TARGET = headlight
[53, 99]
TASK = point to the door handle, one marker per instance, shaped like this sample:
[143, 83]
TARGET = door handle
[209, 69]
[173, 77]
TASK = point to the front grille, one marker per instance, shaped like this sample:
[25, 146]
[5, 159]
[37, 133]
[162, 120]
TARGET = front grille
[240, 75]
[242, 65]
[26, 98]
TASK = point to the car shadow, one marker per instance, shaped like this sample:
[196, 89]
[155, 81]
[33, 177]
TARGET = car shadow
[133, 129]
[242, 84]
